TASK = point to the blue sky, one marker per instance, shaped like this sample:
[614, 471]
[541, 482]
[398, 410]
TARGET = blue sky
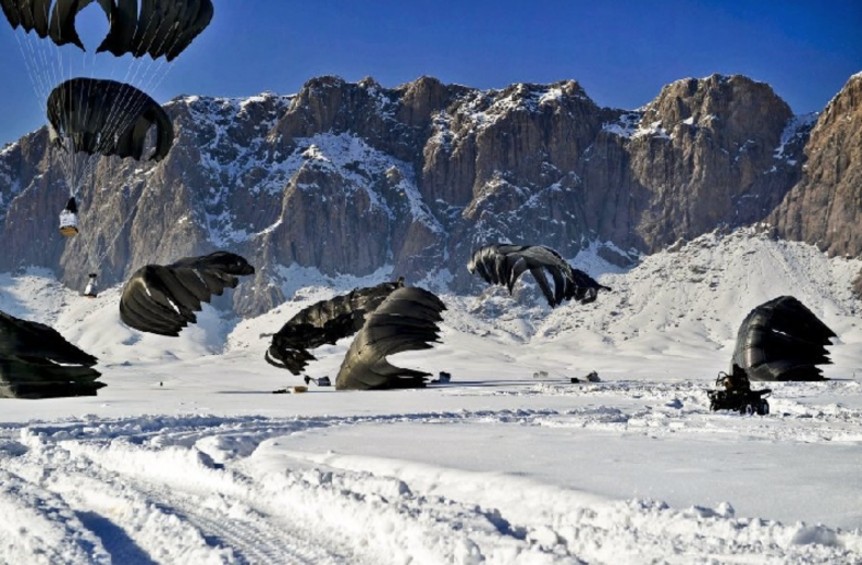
[622, 52]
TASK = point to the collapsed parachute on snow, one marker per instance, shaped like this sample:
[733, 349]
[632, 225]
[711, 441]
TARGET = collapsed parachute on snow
[37, 362]
[106, 117]
[405, 321]
[324, 322]
[163, 299]
[389, 318]
[782, 340]
[163, 28]
[503, 264]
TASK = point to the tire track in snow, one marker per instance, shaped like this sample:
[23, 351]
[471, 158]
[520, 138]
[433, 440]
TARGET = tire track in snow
[193, 481]
[166, 521]
[366, 518]
[166, 483]
[39, 527]
[254, 538]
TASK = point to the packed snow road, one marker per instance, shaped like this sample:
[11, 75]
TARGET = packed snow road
[186, 456]
[326, 489]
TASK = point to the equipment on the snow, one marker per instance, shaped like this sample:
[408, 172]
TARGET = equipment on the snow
[443, 378]
[91, 289]
[298, 389]
[735, 394]
[322, 381]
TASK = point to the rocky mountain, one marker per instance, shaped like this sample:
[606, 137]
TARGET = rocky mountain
[351, 178]
[825, 206]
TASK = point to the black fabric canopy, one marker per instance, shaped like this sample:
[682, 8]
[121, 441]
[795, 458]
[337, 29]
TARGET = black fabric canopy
[37, 362]
[782, 340]
[163, 299]
[324, 322]
[388, 317]
[106, 117]
[503, 264]
[158, 28]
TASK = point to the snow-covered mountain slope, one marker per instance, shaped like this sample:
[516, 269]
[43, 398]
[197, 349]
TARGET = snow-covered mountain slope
[186, 456]
[684, 303]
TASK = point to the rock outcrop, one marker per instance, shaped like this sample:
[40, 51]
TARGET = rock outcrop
[350, 178]
[825, 206]
[705, 153]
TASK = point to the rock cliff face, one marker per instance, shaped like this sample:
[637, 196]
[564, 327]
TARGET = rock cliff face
[705, 153]
[353, 177]
[825, 206]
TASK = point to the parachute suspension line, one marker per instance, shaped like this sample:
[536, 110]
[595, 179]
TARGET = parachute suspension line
[48, 69]
[151, 74]
[126, 105]
[44, 70]
[76, 163]
[36, 79]
[146, 75]
[119, 117]
[138, 70]
[100, 258]
[85, 164]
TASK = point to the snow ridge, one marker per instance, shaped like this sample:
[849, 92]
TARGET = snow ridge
[186, 456]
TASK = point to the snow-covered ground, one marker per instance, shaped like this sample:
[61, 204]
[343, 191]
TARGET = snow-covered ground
[187, 456]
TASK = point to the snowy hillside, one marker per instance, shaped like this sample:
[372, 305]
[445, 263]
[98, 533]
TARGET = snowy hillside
[186, 456]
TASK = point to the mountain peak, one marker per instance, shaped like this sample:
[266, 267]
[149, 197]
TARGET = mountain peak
[356, 177]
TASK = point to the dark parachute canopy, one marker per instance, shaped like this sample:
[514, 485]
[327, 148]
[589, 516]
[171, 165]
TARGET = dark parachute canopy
[782, 340]
[405, 321]
[503, 264]
[106, 117]
[389, 317]
[37, 362]
[324, 322]
[163, 299]
[156, 27]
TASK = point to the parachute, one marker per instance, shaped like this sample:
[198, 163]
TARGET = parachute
[91, 118]
[324, 322]
[405, 321]
[37, 362]
[106, 117]
[163, 299]
[503, 264]
[389, 317]
[782, 340]
[96, 117]
[157, 28]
